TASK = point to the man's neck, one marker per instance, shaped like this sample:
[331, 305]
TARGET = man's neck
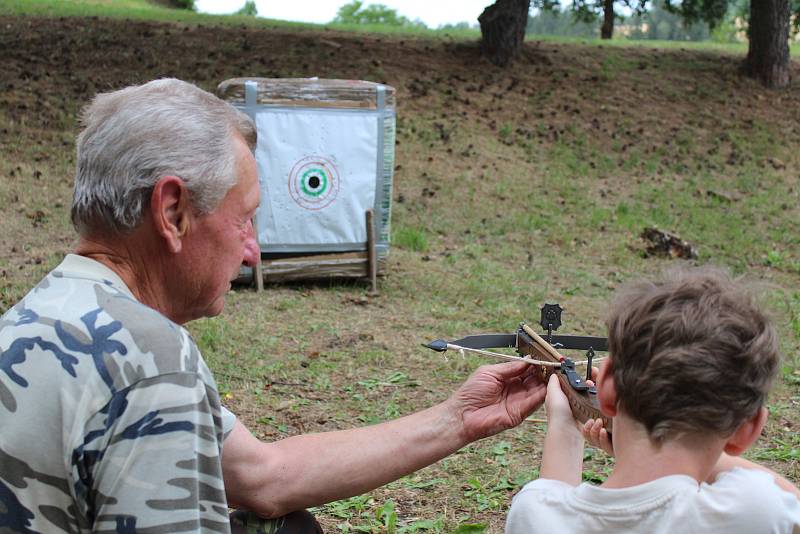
[136, 262]
[639, 460]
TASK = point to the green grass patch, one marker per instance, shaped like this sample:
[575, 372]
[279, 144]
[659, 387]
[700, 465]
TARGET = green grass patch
[414, 239]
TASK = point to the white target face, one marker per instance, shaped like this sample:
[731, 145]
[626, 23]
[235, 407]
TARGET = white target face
[314, 182]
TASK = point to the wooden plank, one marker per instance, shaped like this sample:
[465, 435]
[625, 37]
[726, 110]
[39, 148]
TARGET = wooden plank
[293, 269]
[319, 266]
[307, 92]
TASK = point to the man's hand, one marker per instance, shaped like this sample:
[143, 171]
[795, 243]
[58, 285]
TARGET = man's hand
[497, 397]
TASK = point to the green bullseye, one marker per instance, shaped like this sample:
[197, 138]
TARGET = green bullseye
[314, 182]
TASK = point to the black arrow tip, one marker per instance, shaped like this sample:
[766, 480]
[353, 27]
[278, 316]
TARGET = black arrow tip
[439, 345]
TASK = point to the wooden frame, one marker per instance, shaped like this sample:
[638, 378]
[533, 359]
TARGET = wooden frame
[356, 264]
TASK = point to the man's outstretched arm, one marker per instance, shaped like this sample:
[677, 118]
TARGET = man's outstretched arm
[275, 478]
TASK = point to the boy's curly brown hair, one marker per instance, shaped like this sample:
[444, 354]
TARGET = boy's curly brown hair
[692, 354]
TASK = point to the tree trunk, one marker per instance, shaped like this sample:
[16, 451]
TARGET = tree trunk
[768, 55]
[503, 30]
[607, 30]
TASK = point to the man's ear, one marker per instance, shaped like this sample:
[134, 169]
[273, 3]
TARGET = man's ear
[606, 390]
[171, 211]
[747, 433]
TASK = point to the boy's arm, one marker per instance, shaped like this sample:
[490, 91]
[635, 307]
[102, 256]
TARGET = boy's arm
[727, 462]
[562, 455]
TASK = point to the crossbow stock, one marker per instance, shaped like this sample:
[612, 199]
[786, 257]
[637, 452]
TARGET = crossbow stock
[531, 346]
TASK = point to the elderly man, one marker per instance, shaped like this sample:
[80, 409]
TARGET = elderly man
[110, 418]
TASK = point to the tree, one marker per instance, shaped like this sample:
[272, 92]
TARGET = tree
[248, 9]
[768, 33]
[558, 22]
[503, 30]
[658, 23]
[356, 13]
[589, 10]
[177, 4]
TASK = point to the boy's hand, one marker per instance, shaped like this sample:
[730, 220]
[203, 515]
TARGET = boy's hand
[597, 436]
[562, 454]
[593, 431]
[559, 414]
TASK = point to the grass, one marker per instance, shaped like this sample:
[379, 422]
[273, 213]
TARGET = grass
[513, 188]
[145, 10]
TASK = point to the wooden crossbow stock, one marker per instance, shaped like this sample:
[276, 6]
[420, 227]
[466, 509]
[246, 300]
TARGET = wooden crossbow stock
[532, 346]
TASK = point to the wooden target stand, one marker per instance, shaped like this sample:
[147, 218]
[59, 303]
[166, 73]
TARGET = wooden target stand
[356, 264]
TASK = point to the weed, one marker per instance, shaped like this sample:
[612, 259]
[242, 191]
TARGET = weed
[414, 239]
[470, 528]
[397, 378]
[489, 497]
[387, 517]
[773, 259]
[499, 451]
[505, 131]
[271, 421]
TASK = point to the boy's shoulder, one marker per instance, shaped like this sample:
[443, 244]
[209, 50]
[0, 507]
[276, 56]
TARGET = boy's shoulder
[740, 500]
[753, 489]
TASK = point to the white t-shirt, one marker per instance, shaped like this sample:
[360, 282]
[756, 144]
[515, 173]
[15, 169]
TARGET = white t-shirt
[743, 501]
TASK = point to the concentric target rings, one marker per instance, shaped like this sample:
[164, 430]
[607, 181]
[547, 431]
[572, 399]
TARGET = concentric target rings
[314, 182]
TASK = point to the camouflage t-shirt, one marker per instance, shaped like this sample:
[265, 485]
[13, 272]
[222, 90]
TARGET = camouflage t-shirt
[110, 420]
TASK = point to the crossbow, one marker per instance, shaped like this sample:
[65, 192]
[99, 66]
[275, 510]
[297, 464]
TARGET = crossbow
[542, 351]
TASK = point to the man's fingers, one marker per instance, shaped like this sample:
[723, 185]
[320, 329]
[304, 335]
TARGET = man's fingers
[507, 370]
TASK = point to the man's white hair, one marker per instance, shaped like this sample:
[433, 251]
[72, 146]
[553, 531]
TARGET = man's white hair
[135, 136]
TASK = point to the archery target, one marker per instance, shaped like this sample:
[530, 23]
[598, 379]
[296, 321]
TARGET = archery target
[317, 170]
[314, 183]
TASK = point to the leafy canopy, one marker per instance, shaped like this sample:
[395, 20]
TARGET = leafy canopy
[715, 11]
[248, 9]
[587, 11]
[356, 13]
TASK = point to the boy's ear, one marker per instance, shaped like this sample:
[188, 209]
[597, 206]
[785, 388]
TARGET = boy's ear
[747, 433]
[170, 210]
[606, 390]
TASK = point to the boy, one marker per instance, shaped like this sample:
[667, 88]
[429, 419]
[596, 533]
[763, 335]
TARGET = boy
[691, 361]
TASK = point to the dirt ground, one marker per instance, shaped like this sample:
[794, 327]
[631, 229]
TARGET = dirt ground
[634, 116]
[52, 67]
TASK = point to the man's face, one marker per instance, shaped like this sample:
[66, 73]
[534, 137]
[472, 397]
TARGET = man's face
[223, 239]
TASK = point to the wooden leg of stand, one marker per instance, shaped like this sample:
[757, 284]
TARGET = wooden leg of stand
[372, 261]
[258, 274]
[258, 270]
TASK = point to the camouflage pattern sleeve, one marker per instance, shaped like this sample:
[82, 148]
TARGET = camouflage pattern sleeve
[149, 460]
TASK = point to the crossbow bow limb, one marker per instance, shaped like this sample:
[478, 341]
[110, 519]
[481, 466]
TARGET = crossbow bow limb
[581, 396]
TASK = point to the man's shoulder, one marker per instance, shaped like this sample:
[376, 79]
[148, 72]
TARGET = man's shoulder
[94, 318]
